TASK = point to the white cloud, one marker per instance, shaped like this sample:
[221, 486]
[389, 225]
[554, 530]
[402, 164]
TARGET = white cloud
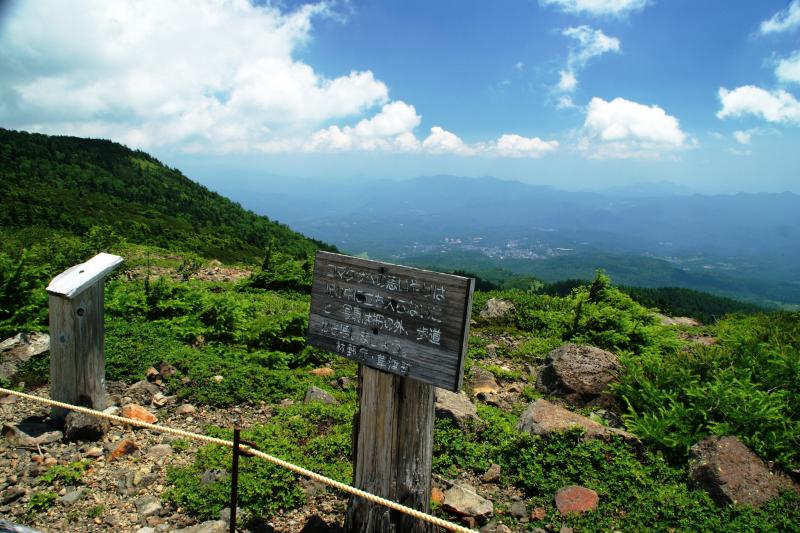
[743, 137]
[511, 145]
[597, 7]
[441, 141]
[565, 102]
[588, 43]
[187, 73]
[625, 129]
[788, 70]
[772, 106]
[784, 20]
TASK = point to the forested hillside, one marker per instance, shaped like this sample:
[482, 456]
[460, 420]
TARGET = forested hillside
[71, 185]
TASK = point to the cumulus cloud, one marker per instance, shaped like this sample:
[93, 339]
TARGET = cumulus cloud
[597, 7]
[788, 70]
[185, 72]
[625, 129]
[772, 106]
[511, 145]
[784, 20]
[588, 43]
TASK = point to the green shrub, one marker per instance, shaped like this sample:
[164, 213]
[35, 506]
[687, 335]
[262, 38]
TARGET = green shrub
[70, 474]
[41, 501]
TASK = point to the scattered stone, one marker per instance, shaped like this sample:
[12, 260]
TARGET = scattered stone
[677, 320]
[142, 391]
[146, 529]
[152, 374]
[159, 451]
[94, 452]
[437, 496]
[186, 409]
[566, 529]
[137, 412]
[576, 499]
[30, 433]
[483, 382]
[286, 402]
[148, 505]
[464, 501]
[12, 494]
[19, 349]
[210, 526]
[125, 447]
[160, 399]
[492, 475]
[543, 418]
[469, 521]
[217, 378]
[167, 370]
[731, 473]
[83, 427]
[538, 513]
[455, 405]
[494, 527]
[341, 382]
[112, 410]
[496, 308]
[70, 498]
[324, 372]
[315, 394]
[518, 510]
[225, 514]
[584, 370]
[50, 461]
[212, 476]
[8, 399]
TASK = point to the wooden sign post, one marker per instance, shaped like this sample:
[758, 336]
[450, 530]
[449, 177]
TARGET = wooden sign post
[77, 356]
[408, 329]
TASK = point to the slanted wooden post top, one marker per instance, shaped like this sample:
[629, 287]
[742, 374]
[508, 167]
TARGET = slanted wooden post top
[77, 279]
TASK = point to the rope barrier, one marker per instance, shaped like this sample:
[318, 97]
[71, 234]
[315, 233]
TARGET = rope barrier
[254, 452]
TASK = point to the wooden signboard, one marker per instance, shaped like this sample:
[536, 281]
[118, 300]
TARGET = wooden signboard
[401, 320]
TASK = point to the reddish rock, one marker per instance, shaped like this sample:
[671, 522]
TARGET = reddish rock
[324, 372]
[137, 412]
[437, 496]
[125, 447]
[539, 513]
[731, 473]
[576, 500]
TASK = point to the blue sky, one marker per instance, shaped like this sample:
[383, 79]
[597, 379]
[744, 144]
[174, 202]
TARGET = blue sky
[578, 94]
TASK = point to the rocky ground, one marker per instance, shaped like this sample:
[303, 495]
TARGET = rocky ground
[121, 487]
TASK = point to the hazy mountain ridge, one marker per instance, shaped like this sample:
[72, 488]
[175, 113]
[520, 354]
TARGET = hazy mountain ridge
[721, 240]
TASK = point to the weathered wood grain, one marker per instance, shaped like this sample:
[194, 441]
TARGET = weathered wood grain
[402, 320]
[392, 452]
[77, 359]
[80, 277]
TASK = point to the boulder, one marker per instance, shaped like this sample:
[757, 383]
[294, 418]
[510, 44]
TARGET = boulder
[464, 501]
[496, 308]
[83, 427]
[731, 473]
[455, 405]
[584, 370]
[576, 500]
[20, 348]
[31, 432]
[142, 391]
[544, 418]
[315, 394]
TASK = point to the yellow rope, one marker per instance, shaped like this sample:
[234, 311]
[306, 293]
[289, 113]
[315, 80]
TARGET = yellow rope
[252, 451]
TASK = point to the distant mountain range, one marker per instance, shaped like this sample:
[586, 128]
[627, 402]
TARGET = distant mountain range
[743, 245]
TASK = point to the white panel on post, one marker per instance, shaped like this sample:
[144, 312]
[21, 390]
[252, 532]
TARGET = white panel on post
[80, 277]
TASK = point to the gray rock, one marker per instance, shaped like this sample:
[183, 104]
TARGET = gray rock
[496, 308]
[29, 434]
[185, 409]
[146, 530]
[315, 394]
[71, 498]
[142, 392]
[12, 494]
[543, 418]
[19, 349]
[492, 475]
[731, 473]
[160, 450]
[210, 526]
[518, 510]
[148, 506]
[455, 406]
[463, 500]
[584, 370]
[212, 476]
[483, 381]
[82, 427]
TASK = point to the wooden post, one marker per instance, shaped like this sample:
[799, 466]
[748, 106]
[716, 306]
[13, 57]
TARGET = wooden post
[392, 452]
[77, 356]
